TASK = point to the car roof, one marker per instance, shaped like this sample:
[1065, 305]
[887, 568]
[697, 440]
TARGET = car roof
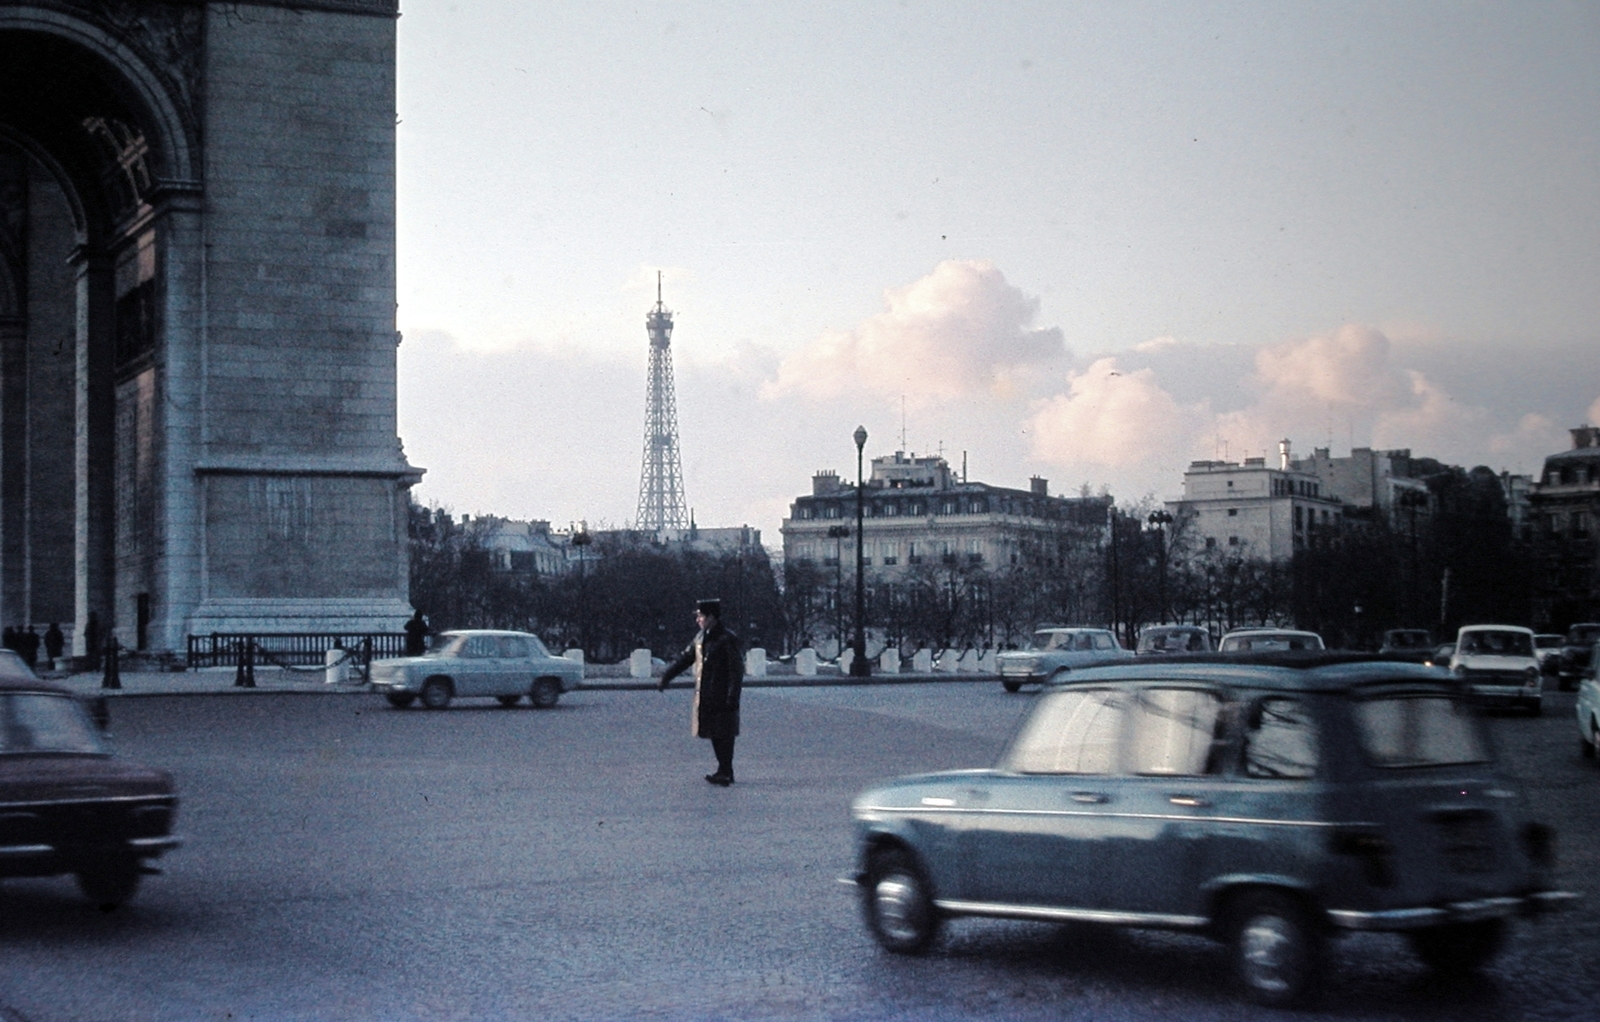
[1070, 628]
[1295, 670]
[1270, 631]
[1495, 628]
[1170, 628]
[483, 631]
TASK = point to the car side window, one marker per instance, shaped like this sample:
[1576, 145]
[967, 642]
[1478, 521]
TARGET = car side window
[513, 647]
[1103, 641]
[1174, 731]
[1084, 641]
[480, 646]
[1281, 740]
[1072, 732]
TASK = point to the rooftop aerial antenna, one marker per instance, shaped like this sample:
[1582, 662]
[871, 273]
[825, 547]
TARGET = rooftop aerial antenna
[902, 422]
[661, 503]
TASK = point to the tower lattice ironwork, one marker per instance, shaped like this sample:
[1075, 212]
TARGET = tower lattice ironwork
[661, 504]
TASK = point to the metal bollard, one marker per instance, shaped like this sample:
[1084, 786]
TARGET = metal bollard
[244, 676]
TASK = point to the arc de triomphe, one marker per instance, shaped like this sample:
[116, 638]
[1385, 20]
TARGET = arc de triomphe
[197, 318]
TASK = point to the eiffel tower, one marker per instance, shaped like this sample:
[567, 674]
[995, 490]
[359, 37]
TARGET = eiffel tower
[661, 505]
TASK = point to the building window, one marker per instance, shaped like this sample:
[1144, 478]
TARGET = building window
[891, 509]
[918, 508]
[1233, 540]
[947, 507]
[831, 511]
[1211, 542]
[1580, 525]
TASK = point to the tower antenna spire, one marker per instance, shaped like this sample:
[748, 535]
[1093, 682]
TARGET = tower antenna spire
[661, 502]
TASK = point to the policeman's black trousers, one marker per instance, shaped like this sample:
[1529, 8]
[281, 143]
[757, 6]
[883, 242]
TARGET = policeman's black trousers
[723, 747]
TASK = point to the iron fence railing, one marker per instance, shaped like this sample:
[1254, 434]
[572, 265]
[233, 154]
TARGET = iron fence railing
[223, 649]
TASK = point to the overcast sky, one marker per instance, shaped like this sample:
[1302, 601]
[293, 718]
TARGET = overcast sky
[1085, 241]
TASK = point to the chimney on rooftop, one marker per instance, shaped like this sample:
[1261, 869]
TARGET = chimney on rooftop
[1283, 454]
[1039, 486]
[1586, 436]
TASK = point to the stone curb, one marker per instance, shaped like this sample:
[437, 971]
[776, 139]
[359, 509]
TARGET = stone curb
[188, 684]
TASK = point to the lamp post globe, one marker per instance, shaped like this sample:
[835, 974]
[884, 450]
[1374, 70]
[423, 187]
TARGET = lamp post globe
[858, 664]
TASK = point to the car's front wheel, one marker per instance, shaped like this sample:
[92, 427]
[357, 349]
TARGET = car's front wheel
[1459, 948]
[1011, 686]
[436, 693]
[1277, 949]
[546, 692]
[1591, 745]
[109, 882]
[400, 700]
[899, 905]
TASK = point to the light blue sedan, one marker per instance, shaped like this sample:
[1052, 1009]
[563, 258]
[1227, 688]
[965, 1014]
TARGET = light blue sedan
[466, 664]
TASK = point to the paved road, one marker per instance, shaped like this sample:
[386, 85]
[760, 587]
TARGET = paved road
[347, 861]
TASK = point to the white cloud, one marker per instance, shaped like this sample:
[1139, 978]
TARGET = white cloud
[1110, 418]
[960, 331]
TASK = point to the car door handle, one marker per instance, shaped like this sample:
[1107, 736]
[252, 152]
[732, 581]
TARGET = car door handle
[1090, 798]
[1192, 801]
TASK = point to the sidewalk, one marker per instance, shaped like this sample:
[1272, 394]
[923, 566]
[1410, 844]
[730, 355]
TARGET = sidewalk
[219, 681]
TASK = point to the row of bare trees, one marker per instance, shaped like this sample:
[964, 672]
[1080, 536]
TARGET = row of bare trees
[1458, 564]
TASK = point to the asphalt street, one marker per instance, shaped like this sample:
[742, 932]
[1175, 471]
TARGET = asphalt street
[349, 861]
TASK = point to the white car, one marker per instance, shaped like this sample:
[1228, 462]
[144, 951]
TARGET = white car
[1269, 640]
[505, 665]
[1589, 710]
[1497, 665]
[1053, 653]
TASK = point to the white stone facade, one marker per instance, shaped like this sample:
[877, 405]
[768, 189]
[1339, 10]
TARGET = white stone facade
[231, 455]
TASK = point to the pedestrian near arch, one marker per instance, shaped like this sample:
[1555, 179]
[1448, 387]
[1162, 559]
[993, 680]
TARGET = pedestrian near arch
[718, 679]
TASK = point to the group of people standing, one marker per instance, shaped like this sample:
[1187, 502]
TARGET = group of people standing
[26, 642]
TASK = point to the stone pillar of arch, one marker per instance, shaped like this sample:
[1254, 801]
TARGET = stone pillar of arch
[197, 380]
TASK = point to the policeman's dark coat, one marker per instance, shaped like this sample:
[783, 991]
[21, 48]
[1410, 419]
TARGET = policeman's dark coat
[718, 679]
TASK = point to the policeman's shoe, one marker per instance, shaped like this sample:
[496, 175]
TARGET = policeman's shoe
[721, 779]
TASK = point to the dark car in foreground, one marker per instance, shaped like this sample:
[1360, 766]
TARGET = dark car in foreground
[67, 806]
[1576, 654]
[1271, 803]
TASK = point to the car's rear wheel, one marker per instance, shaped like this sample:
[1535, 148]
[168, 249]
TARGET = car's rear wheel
[436, 693]
[508, 701]
[899, 904]
[109, 882]
[546, 692]
[400, 700]
[1277, 949]
[1012, 686]
[1459, 948]
[1591, 746]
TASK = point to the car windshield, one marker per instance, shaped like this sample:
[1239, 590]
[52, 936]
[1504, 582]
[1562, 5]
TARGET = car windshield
[32, 723]
[1178, 640]
[1045, 642]
[1585, 635]
[1419, 731]
[1272, 641]
[1489, 643]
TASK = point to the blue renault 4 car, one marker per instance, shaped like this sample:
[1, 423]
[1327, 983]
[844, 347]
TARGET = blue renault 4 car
[1270, 802]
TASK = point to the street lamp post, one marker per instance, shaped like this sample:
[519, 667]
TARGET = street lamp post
[858, 665]
[1160, 520]
[581, 540]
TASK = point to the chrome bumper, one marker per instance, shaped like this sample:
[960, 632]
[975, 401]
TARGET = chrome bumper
[1454, 912]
